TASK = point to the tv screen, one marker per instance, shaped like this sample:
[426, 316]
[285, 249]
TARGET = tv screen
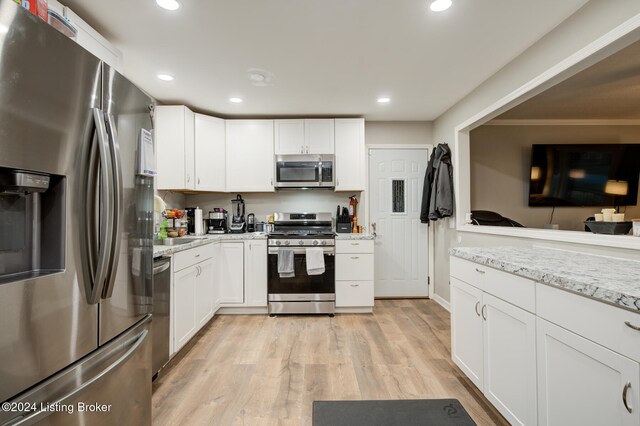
[584, 175]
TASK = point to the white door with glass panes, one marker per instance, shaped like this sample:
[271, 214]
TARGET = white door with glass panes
[395, 181]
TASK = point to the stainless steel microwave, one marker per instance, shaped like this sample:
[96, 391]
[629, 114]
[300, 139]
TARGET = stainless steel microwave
[305, 171]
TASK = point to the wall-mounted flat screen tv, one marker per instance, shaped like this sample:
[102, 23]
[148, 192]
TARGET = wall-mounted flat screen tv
[584, 175]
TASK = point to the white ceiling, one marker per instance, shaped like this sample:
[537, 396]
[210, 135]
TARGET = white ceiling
[608, 90]
[329, 57]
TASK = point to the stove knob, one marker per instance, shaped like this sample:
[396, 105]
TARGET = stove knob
[278, 243]
[286, 243]
[324, 243]
[301, 242]
[315, 243]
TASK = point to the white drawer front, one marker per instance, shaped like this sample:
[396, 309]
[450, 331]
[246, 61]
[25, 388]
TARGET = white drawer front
[594, 320]
[354, 246]
[354, 267]
[354, 293]
[509, 287]
[184, 259]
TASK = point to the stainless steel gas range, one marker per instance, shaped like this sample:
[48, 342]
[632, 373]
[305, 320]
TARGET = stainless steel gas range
[301, 293]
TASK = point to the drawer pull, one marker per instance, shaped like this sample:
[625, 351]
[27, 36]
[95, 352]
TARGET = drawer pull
[197, 255]
[627, 386]
[480, 271]
[635, 327]
[477, 305]
[355, 285]
[355, 244]
[484, 312]
[355, 257]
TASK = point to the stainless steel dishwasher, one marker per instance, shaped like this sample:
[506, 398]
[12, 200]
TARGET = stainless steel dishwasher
[161, 310]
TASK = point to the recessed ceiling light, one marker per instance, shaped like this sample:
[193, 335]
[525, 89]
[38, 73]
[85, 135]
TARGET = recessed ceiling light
[235, 100]
[440, 5]
[165, 77]
[260, 77]
[168, 4]
[257, 77]
[384, 100]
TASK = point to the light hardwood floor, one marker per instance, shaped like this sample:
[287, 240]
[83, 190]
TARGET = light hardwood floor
[257, 370]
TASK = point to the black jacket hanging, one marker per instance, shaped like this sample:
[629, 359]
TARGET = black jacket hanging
[437, 194]
[426, 190]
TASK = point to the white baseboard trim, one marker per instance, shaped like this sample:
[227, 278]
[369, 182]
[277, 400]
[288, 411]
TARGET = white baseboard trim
[440, 301]
[242, 310]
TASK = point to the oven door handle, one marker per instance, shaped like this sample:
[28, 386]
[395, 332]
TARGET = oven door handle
[328, 251]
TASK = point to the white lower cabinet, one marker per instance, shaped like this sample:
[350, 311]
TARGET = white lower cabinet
[354, 293]
[466, 330]
[231, 272]
[493, 343]
[194, 290]
[255, 273]
[509, 336]
[205, 281]
[583, 383]
[559, 359]
[354, 275]
[184, 306]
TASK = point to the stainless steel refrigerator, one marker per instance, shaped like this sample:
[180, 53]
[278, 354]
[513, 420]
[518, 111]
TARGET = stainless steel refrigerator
[76, 210]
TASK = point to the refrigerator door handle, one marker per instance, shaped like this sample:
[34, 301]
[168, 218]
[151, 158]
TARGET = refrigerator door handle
[116, 228]
[106, 211]
[30, 417]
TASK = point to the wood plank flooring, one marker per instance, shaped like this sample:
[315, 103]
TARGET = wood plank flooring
[257, 370]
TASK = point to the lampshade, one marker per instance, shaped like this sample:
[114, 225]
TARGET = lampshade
[535, 173]
[617, 187]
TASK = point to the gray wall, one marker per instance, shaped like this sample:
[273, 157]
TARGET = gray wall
[398, 132]
[500, 160]
[594, 20]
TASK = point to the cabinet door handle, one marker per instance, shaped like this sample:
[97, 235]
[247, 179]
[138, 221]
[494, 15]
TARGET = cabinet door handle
[355, 257]
[307, 150]
[634, 327]
[484, 312]
[480, 271]
[301, 149]
[625, 390]
[355, 285]
[477, 306]
[197, 255]
[198, 180]
[188, 178]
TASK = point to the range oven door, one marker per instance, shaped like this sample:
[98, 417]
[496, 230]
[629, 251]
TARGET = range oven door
[302, 286]
[304, 171]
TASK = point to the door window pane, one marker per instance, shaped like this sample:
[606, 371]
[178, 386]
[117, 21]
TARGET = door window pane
[398, 196]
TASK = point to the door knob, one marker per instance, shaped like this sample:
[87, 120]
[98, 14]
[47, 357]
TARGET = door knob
[373, 230]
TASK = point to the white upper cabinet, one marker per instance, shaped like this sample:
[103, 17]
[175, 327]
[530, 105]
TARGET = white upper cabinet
[319, 136]
[249, 154]
[313, 136]
[350, 154]
[210, 164]
[174, 135]
[289, 137]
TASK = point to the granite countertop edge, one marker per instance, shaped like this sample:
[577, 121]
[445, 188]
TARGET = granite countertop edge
[354, 237]
[579, 286]
[159, 250]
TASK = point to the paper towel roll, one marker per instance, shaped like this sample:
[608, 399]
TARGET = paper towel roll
[198, 224]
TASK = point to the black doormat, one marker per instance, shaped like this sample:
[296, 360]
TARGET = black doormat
[412, 412]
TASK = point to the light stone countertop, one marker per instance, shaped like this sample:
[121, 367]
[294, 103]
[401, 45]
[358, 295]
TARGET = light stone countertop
[354, 237]
[608, 279]
[195, 241]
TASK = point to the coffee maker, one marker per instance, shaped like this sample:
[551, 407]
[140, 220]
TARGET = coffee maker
[251, 222]
[238, 224]
[217, 222]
